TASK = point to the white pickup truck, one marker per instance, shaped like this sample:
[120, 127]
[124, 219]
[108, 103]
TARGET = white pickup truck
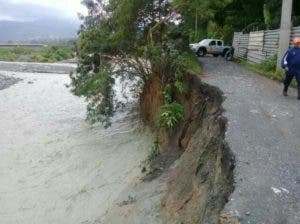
[210, 46]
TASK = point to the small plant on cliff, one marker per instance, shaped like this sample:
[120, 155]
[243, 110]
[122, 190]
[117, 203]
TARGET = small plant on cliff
[131, 39]
[171, 115]
[155, 152]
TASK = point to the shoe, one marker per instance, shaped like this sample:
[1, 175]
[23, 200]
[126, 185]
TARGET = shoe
[298, 93]
[284, 93]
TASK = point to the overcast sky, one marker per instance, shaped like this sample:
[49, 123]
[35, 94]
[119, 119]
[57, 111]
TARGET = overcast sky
[20, 10]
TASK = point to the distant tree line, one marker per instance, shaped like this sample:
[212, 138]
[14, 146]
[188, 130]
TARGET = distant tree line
[51, 41]
[45, 54]
[220, 18]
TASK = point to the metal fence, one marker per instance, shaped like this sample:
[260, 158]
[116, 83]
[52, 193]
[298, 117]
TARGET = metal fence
[240, 43]
[257, 46]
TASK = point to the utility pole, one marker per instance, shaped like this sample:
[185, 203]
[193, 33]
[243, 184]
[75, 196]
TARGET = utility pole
[285, 29]
[196, 26]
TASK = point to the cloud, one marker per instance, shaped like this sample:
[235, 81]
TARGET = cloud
[67, 7]
[28, 10]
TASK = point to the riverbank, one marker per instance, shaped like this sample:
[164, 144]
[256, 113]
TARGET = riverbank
[32, 67]
[7, 81]
[195, 167]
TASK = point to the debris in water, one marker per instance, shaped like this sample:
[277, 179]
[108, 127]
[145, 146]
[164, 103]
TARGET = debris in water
[285, 190]
[130, 200]
[276, 190]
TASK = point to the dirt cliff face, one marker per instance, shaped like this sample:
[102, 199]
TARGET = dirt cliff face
[202, 179]
[151, 101]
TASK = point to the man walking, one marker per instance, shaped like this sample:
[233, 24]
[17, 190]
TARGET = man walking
[291, 64]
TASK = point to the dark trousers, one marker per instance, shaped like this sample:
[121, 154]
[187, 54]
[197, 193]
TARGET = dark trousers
[289, 77]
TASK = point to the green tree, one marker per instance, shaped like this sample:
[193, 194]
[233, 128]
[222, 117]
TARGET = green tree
[220, 18]
[129, 38]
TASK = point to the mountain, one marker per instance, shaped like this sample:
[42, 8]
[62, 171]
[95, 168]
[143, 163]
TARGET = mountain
[35, 30]
[24, 22]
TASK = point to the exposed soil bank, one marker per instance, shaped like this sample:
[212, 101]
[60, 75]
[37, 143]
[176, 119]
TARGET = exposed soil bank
[201, 181]
[197, 178]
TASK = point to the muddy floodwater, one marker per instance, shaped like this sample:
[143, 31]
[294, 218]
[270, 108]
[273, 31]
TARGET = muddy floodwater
[55, 167]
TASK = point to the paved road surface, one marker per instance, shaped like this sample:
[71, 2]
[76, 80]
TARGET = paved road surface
[264, 134]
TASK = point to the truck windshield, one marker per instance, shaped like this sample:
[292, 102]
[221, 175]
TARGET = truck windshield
[204, 42]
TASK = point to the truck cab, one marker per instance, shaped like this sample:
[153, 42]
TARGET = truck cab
[210, 46]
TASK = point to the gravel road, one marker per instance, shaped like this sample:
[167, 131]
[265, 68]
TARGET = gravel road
[264, 134]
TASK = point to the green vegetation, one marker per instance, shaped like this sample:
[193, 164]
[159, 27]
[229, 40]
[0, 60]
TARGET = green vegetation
[171, 115]
[220, 18]
[47, 54]
[132, 38]
[144, 39]
[267, 68]
[155, 152]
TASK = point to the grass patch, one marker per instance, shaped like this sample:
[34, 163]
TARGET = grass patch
[151, 167]
[267, 68]
[154, 152]
[48, 54]
[191, 61]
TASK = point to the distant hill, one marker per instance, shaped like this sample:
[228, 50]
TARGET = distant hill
[24, 22]
[35, 30]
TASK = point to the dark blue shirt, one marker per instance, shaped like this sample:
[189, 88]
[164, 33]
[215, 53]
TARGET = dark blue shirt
[291, 60]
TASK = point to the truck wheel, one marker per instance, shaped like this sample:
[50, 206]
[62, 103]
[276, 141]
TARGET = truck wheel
[225, 52]
[216, 55]
[201, 52]
[229, 56]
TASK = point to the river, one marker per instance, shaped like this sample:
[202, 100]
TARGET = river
[55, 167]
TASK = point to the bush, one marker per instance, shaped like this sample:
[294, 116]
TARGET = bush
[268, 68]
[171, 115]
[269, 64]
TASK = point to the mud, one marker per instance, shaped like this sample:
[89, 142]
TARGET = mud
[202, 179]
